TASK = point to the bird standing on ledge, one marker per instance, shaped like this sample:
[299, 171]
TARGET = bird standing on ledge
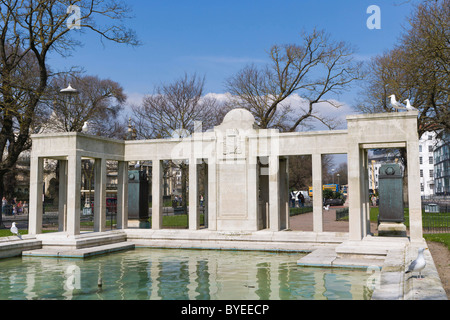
[419, 264]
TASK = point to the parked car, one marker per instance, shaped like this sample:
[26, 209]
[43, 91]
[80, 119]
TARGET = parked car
[334, 202]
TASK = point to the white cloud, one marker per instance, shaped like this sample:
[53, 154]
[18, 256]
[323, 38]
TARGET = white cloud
[325, 109]
[134, 98]
[295, 101]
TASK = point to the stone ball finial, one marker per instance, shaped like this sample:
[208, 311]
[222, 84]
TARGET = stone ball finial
[241, 118]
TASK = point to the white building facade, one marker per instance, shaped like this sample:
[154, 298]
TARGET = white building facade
[427, 144]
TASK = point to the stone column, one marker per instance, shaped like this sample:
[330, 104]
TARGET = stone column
[194, 216]
[73, 194]
[274, 193]
[36, 189]
[100, 195]
[284, 193]
[122, 195]
[62, 205]
[317, 192]
[365, 193]
[206, 196]
[414, 196]
[252, 191]
[212, 194]
[354, 186]
[157, 192]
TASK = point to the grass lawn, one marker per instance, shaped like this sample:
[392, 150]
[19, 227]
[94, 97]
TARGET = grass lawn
[443, 238]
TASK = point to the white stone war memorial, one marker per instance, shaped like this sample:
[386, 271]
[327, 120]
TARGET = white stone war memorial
[244, 185]
[247, 172]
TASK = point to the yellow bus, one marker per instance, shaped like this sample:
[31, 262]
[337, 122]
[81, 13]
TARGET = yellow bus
[332, 187]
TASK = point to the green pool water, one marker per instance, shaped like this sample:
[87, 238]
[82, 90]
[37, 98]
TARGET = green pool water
[172, 274]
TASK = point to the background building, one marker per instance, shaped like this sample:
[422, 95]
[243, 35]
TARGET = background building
[442, 165]
[428, 143]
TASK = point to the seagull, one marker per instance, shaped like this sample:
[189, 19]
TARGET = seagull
[85, 127]
[137, 165]
[15, 231]
[409, 107]
[397, 105]
[418, 264]
[327, 207]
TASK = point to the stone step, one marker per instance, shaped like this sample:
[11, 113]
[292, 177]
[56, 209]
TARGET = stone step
[371, 246]
[15, 247]
[79, 253]
[64, 242]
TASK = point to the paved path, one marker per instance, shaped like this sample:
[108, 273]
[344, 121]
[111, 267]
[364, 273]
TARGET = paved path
[304, 222]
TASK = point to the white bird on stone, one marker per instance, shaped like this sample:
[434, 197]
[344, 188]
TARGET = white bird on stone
[395, 104]
[15, 231]
[419, 264]
[409, 107]
[327, 207]
[137, 165]
[85, 127]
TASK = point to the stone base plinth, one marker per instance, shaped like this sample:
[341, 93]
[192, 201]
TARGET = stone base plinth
[392, 229]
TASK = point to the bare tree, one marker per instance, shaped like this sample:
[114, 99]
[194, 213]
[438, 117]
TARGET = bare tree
[172, 111]
[29, 31]
[314, 69]
[98, 102]
[418, 68]
[174, 108]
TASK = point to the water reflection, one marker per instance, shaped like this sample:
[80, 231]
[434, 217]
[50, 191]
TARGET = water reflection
[177, 275]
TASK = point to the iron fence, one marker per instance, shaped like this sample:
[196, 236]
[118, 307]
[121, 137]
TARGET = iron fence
[436, 224]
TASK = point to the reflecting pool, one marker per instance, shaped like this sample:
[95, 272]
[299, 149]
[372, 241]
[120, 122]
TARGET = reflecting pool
[172, 274]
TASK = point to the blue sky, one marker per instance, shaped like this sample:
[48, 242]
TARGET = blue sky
[217, 38]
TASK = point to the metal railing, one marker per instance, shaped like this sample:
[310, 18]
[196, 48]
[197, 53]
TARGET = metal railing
[436, 224]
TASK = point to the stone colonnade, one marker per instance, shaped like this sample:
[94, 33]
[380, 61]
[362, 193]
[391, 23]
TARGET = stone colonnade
[247, 172]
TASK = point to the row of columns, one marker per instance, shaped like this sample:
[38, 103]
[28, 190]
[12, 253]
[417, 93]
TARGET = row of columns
[70, 194]
[70, 191]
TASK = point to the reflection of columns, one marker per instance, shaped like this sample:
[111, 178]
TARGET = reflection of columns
[36, 185]
[192, 269]
[214, 290]
[62, 205]
[317, 192]
[157, 190]
[122, 195]
[274, 193]
[73, 194]
[29, 290]
[194, 214]
[274, 281]
[212, 194]
[100, 195]
[414, 198]
[319, 285]
[155, 271]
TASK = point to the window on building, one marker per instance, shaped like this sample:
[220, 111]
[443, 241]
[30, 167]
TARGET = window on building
[422, 188]
[431, 173]
[430, 160]
[420, 148]
[421, 173]
[430, 148]
[421, 160]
